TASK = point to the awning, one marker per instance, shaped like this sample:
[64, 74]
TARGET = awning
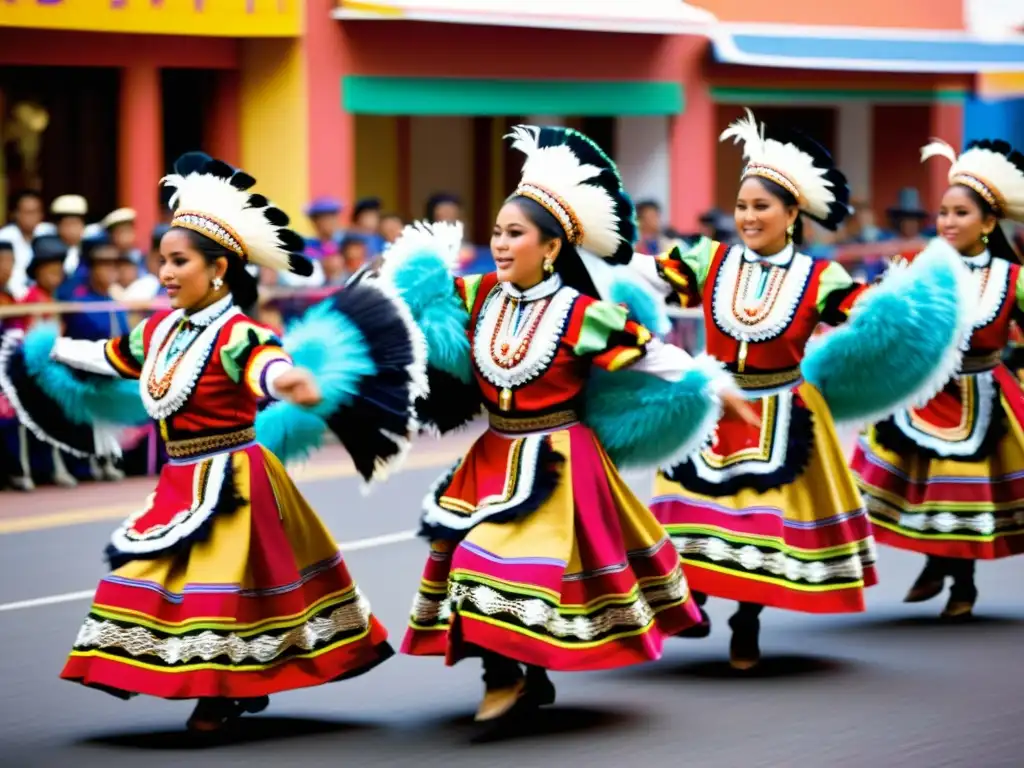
[373, 95]
[660, 17]
[873, 50]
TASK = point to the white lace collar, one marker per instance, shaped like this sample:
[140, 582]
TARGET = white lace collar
[541, 290]
[980, 261]
[780, 259]
[783, 297]
[203, 317]
[193, 361]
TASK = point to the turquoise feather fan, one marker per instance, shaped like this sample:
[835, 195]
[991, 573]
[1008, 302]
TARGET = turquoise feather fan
[904, 339]
[644, 421]
[330, 346]
[84, 399]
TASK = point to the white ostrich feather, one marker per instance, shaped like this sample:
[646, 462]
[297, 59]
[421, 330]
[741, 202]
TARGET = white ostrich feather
[814, 191]
[993, 169]
[558, 170]
[217, 198]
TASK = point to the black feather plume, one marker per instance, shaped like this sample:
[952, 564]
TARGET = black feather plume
[276, 216]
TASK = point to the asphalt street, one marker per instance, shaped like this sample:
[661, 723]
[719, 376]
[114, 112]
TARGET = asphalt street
[892, 687]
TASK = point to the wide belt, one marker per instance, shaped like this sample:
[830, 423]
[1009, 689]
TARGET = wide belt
[768, 379]
[523, 424]
[198, 446]
[982, 363]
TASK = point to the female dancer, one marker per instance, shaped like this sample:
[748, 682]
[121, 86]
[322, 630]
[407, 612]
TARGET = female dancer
[945, 479]
[227, 587]
[770, 515]
[540, 554]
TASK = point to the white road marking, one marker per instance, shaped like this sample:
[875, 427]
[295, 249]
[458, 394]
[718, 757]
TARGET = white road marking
[345, 546]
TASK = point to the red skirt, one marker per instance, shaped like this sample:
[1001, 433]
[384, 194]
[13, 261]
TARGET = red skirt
[585, 579]
[249, 596]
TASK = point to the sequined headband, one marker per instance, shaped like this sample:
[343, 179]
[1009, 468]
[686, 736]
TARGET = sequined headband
[988, 193]
[215, 229]
[767, 172]
[557, 207]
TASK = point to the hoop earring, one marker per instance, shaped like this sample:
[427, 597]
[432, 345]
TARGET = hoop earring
[549, 266]
[984, 238]
[218, 283]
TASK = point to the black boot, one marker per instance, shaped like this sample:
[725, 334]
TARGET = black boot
[744, 649]
[963, 593]
[540, 691]
[931, 581]
[212, 714]
[703, 627]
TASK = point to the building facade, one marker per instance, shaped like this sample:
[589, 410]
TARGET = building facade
[401, 98]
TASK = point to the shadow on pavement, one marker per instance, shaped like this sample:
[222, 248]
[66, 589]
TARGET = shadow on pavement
[246, 730]
[546, 722]
[771, 666]
[919, 622]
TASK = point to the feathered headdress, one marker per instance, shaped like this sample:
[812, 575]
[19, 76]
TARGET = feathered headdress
[993, 169]
[796, 163]
[578, 184]
[211, 198]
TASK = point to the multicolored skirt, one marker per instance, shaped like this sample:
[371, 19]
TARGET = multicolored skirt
[771, 515]
[542, 554]
[227, 585]
[948, 479]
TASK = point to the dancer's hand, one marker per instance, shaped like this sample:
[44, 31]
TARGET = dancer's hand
[298, 386]
[738, 408]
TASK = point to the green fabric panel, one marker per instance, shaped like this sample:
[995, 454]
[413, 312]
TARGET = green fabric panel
[470, 287]
[833, 278]
[698, 259]
[135, 343]
[600, 320]
[373, 95]
[235, 353]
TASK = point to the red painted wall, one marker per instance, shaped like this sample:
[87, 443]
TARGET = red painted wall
[41, 47]
[401, 49]
[331, 129]
[899, 133]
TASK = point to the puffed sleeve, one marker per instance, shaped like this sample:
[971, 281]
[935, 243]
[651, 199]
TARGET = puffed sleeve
[680, 273]
[253, 356]
[837, 293]
[121, 356]
[602, 332]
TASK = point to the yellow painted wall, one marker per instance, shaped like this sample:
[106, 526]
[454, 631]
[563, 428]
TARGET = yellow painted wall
[275, 135]
[377, 159]
[219, 18]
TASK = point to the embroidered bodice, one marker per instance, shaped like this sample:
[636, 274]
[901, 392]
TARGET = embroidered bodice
[532, 350]
[759, 311]
[1000, 300]
[200, 374]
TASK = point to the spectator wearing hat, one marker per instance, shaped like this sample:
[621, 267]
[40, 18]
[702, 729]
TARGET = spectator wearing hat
[148, 286]
[908, 216]
[26, 216]
[101, 259]
[46, 271]
[119, 226]
[366, 224]
[324, 214]
[68, 213]
[10, 460]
